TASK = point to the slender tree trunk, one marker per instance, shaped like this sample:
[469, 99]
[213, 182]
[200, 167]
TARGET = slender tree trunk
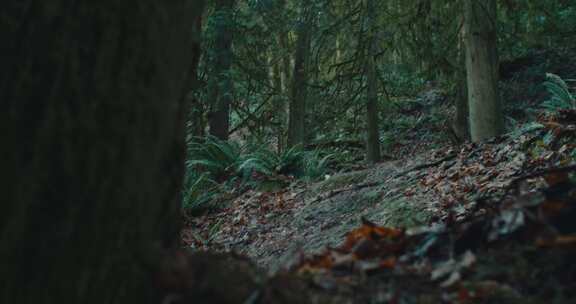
[286, 66]
[372, 134]
[285, 80]
[196, 118]
[486, 117]
[297, 115]
[92, 123]
[220, 84]
[279, 102]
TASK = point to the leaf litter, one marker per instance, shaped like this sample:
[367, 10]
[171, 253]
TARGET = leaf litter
[504, 228]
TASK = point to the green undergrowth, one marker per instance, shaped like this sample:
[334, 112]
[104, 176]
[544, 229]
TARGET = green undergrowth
[215, 169]
[527, 82]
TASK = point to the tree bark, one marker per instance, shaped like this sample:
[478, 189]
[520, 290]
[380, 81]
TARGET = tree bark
[285, 80]
[372, 134]
[196, 112]
[486, 117]
[297, 115]
[279, 118]
[92, 127]
[220, 84]
[461, 116]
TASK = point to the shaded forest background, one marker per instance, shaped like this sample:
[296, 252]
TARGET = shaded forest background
[306, 88]
[122, 118]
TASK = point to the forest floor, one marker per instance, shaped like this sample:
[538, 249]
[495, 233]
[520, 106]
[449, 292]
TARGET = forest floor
[490, 222]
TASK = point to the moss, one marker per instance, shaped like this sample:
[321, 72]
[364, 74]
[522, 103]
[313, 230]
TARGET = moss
[401, 213]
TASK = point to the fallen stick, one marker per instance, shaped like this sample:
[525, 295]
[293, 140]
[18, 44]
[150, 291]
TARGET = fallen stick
[426, 165]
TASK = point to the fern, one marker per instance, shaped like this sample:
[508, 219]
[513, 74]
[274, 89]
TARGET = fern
[560, 96]
[255, 164]
[269, 162]
[212, 155]
[291, 161]
[213, 164]
[316, 166]
[198, 190]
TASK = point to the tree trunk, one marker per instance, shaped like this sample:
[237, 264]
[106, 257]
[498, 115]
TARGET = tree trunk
[278, 102]
[220, 84]
[92, 124]
[297, 115]
[285, 80]
[486, 117]
[372, 134]
[196, 113]
[461, 116]
[283, 42]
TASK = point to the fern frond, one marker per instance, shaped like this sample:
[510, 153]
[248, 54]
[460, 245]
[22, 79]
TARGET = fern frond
[560, 96]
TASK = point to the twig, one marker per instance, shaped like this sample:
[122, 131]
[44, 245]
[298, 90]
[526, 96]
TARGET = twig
[426, 165]
[345, 189]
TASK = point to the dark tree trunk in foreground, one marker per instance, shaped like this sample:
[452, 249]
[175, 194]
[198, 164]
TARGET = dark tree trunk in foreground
[92, 136]
[220, 82]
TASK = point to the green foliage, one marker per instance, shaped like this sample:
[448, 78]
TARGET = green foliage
[315, 165]
[521, 129]
[209, 162]
[198, 190]
[211, 235]
[221, 160]
[266, 161]
[214, 165]
[560, 96]
[216, 157]
[295, 161]
[418, 46]
[402, 81]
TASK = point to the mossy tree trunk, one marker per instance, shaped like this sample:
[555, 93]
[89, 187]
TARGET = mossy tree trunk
[220, 89]
[486, 117]
[285, 80]
[92, 128]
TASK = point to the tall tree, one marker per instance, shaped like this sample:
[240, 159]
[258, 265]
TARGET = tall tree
[297, 115]
[220, 88]
[196, 115]
[372, 134]
[486, 117]
[93, 123]
[278, 81]
[284, 71]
